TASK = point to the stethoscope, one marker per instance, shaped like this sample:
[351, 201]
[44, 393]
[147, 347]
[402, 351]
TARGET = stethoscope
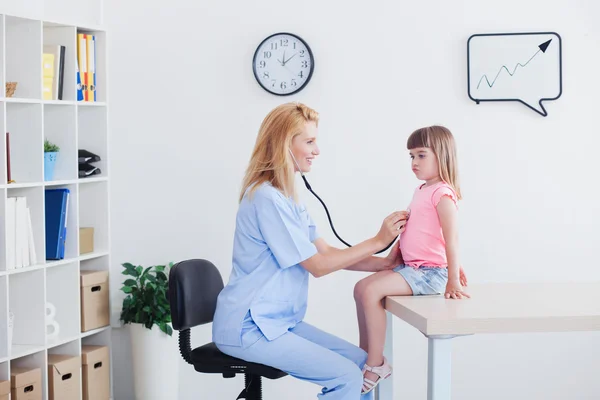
[325, 207]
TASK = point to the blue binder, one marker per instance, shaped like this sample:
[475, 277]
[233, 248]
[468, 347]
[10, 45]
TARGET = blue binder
[57, 202]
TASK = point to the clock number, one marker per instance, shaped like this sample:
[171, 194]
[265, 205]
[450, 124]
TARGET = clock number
[294, 84]
[301, 75]
[283, 85]
[304, 64]
[301, 53]
[262, 64]
[294, 45]
[273, 81]
[266, 75]
[273, 46]
[267, 54]
[284, 42]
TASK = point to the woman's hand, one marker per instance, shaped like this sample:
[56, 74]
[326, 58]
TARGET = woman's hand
[454, 290]
[391, 227]
[394, 257]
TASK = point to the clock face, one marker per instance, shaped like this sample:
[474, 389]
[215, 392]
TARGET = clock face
[283, 64]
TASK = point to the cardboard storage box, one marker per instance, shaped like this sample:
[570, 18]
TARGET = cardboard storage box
[4, 390]
[64, 377]
[86, 240]
[25, 383]
[96, 372]
[94, 300]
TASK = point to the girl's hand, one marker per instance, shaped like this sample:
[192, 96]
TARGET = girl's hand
[463, 277]
[454, 290]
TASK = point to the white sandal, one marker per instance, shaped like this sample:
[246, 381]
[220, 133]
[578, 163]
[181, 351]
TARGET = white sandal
[384, 371]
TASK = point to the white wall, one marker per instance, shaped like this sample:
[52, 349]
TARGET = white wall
[185, 110]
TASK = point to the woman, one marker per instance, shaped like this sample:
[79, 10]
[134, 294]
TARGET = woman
[259, 314]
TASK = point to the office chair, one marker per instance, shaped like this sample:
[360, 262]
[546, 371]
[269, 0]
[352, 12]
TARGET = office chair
[193, 289]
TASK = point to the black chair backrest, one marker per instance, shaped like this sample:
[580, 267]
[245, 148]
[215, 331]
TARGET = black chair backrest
[194, 286]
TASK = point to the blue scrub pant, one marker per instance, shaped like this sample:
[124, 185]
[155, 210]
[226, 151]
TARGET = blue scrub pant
[310, 354]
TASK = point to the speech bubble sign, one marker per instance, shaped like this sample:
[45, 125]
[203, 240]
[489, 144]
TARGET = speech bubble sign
[523, 67]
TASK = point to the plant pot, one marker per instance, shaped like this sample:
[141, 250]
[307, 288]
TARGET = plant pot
[155, 363]
[49, 163]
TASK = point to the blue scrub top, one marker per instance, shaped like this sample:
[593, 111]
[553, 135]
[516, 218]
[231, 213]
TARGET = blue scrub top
[273, 234]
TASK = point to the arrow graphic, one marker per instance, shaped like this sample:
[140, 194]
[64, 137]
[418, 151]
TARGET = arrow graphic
[542, 47]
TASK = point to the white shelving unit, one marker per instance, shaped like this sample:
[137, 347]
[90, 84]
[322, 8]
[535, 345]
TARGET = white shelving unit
[25, 27]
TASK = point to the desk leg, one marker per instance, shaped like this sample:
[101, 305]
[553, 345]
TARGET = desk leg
[385, 390]
[439, 371]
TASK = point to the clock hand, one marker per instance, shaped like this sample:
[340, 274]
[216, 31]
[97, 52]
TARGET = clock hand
[283, 59]
[285, 62]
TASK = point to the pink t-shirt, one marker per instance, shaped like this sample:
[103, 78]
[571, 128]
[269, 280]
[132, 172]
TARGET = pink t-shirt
[422, 242]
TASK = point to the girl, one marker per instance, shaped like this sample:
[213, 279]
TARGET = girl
[428, 247]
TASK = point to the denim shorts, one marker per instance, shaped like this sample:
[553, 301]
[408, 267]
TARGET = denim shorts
[424, 280]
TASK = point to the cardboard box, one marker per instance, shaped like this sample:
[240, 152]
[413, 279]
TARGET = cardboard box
[86, 240]
[96, 372]
[4, 390]
[94, 300]
[64, 377]
[25, 383]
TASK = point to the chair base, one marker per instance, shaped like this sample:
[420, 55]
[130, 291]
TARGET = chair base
[252, 389]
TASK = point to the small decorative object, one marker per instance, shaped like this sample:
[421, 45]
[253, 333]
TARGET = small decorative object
[52, 327]
[10, 88]
[523, 67]
[283, 64]
[147, 314]
[50, 154]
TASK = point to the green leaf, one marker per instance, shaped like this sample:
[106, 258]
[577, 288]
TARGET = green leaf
[126, 289]
[161, 276]
[138, 270]
[160, 268]
[130, 282]
[146, 270]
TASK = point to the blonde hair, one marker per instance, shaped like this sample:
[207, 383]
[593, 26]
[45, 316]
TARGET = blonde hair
[440, 140]
[270, 160]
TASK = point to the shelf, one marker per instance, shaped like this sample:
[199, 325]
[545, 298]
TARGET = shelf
[91, 256]
[58, 263]
[55, 35]
[24, 270]
[91, 123]
[23, 350]
[24, 125]
[27, 302]
[23, 58]
[27, 27]
[59, 128]
[93, 212]
[62, 293]
[94, 331]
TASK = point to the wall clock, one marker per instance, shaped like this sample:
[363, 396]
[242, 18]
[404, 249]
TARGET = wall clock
[283, 64]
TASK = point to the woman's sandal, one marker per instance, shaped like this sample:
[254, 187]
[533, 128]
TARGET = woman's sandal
[384, 371]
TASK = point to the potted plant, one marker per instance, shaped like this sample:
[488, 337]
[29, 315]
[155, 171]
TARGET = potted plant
[50, 154]
[147, 314]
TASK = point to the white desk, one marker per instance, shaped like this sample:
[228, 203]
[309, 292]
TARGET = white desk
[492, 308]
